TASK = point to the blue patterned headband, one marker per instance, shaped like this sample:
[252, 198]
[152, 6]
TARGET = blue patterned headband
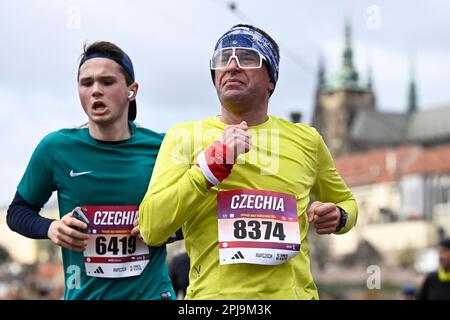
[249, 38]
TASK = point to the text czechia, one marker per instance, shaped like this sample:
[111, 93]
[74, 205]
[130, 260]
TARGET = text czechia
[252, 201]
[111, 218]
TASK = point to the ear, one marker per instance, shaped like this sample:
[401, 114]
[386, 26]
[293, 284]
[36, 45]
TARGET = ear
[134, 87]
[271, 87]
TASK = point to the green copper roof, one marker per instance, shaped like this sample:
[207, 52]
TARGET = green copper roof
[347, 76]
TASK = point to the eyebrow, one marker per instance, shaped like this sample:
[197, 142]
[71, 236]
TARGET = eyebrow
[107, 77]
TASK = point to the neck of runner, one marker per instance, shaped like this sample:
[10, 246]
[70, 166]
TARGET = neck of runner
[252, 117]
[114, 132]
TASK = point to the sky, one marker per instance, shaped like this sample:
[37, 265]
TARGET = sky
[170, 43]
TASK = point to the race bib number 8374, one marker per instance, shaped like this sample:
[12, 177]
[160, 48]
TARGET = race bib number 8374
[257, 226]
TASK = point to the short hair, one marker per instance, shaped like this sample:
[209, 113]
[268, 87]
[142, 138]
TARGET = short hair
[265, 34]
[109, 49]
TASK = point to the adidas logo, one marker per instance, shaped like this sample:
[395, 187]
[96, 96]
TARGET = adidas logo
[99, 270]
[238, 256]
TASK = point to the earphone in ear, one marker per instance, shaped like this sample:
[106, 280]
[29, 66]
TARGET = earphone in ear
[131, 94]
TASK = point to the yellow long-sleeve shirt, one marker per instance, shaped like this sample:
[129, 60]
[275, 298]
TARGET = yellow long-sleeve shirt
[285, 157]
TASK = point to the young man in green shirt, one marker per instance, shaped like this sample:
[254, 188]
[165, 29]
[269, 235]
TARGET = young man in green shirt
[101, 171]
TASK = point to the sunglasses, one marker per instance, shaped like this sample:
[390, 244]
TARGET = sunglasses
[246, 58]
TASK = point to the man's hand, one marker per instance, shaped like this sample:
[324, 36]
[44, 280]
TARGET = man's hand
[324, 216]
[219, 157]
[237, 139]
[63, 233]
[135, 231]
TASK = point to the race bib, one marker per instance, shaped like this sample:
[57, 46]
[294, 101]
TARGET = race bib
[257, 226]
[112, 252]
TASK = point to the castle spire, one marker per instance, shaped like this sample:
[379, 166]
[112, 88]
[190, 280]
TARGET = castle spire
[321, 86]
[347, 77]
[369, 78]
[321, 80]
[412, 93]
[348, 50]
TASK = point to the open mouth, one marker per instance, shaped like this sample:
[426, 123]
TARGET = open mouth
[98, 106]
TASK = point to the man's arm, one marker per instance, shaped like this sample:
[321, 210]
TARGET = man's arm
[35, 189]
[24, 218]
[331, 189]
[176, 189]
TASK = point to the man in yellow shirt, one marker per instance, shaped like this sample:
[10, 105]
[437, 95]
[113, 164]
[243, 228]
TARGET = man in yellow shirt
[239, 185]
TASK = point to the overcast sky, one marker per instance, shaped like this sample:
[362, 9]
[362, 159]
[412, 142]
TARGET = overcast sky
[170, 43]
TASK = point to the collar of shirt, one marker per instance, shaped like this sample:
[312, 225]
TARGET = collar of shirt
[443, 276]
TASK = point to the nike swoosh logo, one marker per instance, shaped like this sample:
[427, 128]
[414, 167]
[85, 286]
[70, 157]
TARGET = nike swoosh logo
[76, 174]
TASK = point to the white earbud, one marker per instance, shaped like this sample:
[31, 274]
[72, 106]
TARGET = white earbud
[131, 94]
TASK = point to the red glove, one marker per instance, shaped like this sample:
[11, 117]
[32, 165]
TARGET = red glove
[213, 163]
[219, 158]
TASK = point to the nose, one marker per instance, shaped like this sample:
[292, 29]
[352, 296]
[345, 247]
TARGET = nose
[97, 89]
[233, 65]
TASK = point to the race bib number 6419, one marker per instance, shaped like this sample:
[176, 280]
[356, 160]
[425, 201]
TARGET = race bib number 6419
[257, 226]
[112, 252]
